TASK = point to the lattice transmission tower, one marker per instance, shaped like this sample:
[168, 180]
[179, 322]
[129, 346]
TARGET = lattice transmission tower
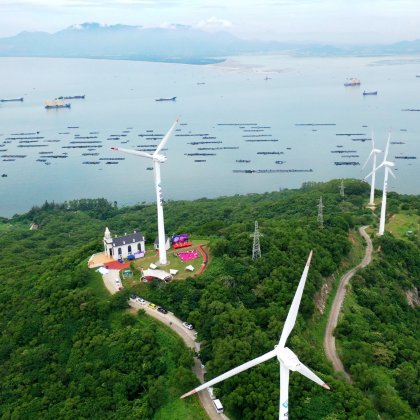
[320, 218]
[342, 189]
[256, 250]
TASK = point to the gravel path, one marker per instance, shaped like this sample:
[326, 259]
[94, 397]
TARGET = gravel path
[329, 339]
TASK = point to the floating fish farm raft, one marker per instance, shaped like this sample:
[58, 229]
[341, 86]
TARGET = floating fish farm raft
[413, 110]
[397, 142]
[361, 140]
[24, 138]
[97, 132]
[24, 134]
[56, 156]
[243, 161]
[14, 156]
[91, 163]
[245, 131]
[217, 148]
[280, 162]
[45, 153]
[269, 171]
[200, 154]
[79, 142]
[112, 159]
[343, 151]
[41, 160]
[29, 141]
[146, 145]
[357, 134]
[112, 163]
[87, 137]
[90, 154]
[199, 161]
[77, 147]
[270, 153]
[349, 156]
[347, 163]
[33, 145]
[405, 157]
[315, 124]
[258, 135]
[191, 135]
[262, 140]
[236, 124]
[52, 141]
[208, 138]
[154, 135]
[9, 160]
[204, 142]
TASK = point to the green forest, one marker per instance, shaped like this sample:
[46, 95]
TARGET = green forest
[68, 349]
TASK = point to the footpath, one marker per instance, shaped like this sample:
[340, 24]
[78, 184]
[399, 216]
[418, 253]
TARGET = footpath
[329, 339]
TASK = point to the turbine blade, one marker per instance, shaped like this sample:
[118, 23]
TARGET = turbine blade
[389, 169]
[234, 371]
[387, 146]
[293, 311]
[284, 392]
[310, 375]
[371, 153]
[133, 152]
[382, 164]
[165, 139]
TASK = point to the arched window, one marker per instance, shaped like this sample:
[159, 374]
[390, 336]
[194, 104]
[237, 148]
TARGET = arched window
[138, 247]
[119, 251]
[129, 249]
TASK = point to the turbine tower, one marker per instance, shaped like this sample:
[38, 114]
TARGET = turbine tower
[388, 166]
[288, 360]
[342, 189]
[374, 152]
[256, 250]
[157, 160]
[320, 218]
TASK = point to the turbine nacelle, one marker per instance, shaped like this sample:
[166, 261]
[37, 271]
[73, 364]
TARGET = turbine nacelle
[388, 164]
[376, 151]
[160, 158]
[288, 358]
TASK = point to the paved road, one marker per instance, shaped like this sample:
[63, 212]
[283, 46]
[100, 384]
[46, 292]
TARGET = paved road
[329, 339]
[187, 335]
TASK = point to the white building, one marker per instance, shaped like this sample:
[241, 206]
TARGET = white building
[167, 241]
[123, 246]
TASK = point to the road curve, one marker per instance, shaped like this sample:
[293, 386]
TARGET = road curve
[176, 325]
[329, 339]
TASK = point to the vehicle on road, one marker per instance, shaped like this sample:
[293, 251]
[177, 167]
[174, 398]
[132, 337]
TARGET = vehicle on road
[133, 296]
[117, 281]
[121, 261]
[163, 310]
[151, 306]
[188, 326]
[141, 301]
[120, 288]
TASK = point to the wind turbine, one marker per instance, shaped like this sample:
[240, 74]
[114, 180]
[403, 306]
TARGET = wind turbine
[288, 360]
[157, 160]
[385, 189]
[374, 152]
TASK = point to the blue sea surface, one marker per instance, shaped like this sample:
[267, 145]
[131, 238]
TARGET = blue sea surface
[121, 94]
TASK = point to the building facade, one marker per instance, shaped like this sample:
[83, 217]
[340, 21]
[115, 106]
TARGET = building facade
[123, 246]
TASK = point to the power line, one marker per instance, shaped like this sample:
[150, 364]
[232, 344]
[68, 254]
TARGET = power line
[320, 218]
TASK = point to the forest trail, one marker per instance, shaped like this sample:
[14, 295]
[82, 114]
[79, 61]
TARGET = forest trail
[329, 339]
[188, 336]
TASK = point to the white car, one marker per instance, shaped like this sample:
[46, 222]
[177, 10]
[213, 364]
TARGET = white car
[141, 301]
[188, 326]
[117, 281]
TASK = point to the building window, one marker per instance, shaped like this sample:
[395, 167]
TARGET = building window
[119, 251]
[139, 247]
[129, 249]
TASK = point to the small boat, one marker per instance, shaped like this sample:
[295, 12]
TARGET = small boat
[57, 104]
[149, 169]
[370, 93]
[48, 163]
[12, 100]
[72, 97]
[4, 176]
[201, 84]
[166, 99]
[353, 82]
[418, 75]
[267, 78]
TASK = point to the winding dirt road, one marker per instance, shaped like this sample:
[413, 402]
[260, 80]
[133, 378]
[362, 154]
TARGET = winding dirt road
[329, 339]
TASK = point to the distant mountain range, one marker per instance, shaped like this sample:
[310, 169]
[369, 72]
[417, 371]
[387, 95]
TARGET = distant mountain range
[179, 44]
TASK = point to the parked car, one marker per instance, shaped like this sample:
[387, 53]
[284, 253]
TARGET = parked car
[151, 306]
[117, 281]
[141, 301]
[121, 261]
[163, 310]
[120, 288]
[188, 326]
[133, 296]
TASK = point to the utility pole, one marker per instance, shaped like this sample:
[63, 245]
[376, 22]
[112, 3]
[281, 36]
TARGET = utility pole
[256, 250]
[342, 189]
[320, 218]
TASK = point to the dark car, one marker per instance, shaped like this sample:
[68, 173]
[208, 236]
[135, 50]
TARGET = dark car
[133, 296]
[163, 310]
[121, 261]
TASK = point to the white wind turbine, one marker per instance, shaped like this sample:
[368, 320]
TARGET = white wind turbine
[288, 360]
[157, 160]
[374, 152]
[385, 190]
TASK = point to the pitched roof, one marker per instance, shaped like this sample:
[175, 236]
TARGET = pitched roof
[132, 238]
[157, 240]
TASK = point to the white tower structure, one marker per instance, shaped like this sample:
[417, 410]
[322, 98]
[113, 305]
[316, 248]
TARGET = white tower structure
[256, 250]
[157, 160]
[388, 166]
[320, 218]
[287, 359]
[374, 152]
[342, 189]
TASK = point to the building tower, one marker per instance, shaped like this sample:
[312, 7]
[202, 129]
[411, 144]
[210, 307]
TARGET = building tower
[256, 250]
[342, 189]
[320, 218]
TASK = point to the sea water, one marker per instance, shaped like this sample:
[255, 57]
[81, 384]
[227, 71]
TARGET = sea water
[121, 94]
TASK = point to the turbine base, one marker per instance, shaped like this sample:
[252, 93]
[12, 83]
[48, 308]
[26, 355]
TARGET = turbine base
[162, 264]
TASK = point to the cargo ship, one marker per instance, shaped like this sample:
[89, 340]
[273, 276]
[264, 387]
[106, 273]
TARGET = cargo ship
[57, 104]
[12, 100]
[72, 97]
[370, 93]
[353, 82]
[166, 99]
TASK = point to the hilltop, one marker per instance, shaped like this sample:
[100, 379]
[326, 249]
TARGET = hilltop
[68, 348]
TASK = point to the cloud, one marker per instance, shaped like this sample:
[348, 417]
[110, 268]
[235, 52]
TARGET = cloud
[213, 23]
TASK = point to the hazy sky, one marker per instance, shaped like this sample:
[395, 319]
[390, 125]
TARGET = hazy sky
[324, 20]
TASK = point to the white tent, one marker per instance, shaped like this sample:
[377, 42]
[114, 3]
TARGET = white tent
[172, 271]
[190, 268]
[159, 274]
[102, 270]
[153, 266]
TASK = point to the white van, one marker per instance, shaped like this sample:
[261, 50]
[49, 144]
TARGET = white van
[218, 406]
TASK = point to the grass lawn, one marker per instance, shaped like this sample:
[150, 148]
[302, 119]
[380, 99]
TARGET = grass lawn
[9, 227]
[403, 222]
[96, 283]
